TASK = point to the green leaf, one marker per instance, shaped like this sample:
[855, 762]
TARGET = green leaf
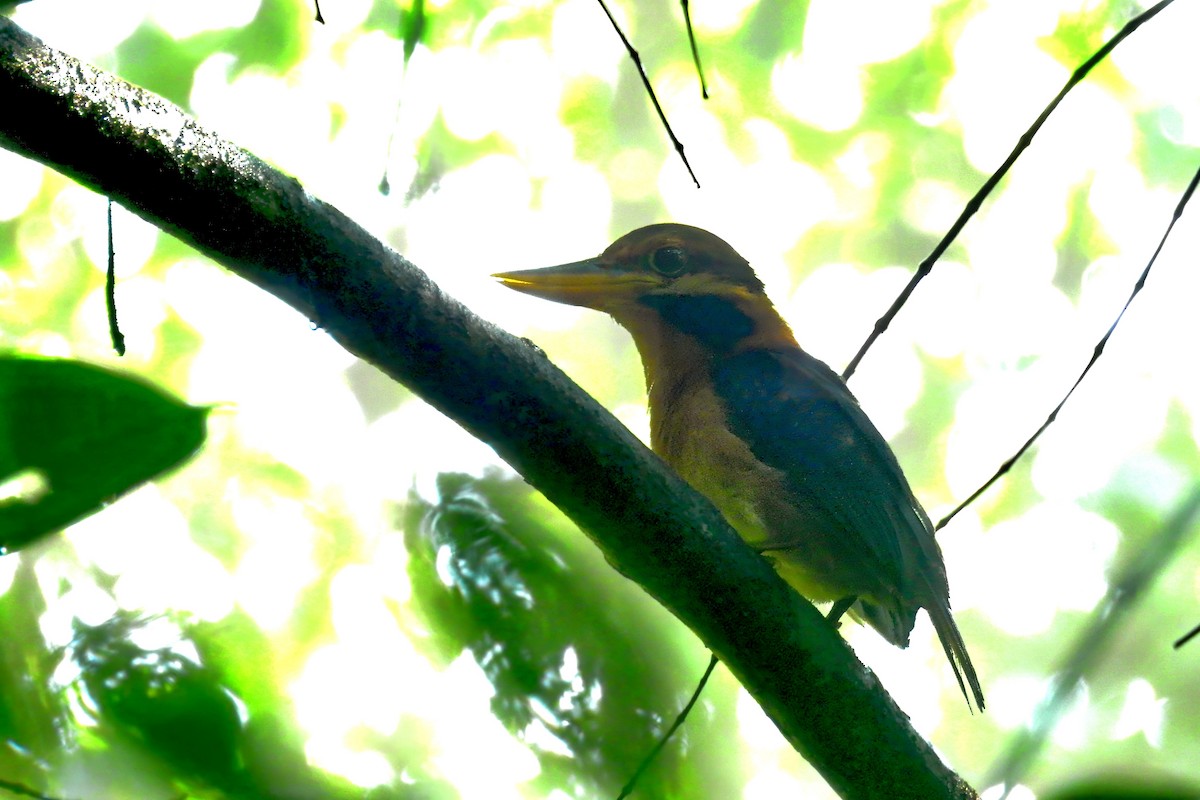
[73, 437]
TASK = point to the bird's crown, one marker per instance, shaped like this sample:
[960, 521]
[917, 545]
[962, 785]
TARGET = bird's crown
[680, 256]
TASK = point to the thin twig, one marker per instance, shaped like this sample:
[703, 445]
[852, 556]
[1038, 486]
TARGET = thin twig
[1187, 637]
[110, 290]
[627, 789]
[687, 19]
[637, 61]
[974, 204]
[1099, 348]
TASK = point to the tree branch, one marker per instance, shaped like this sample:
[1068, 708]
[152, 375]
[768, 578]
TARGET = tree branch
[151, 157]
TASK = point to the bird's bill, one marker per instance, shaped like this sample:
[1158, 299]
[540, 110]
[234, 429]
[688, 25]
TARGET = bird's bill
[587, 283]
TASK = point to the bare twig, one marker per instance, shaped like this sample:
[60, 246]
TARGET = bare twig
[637, 62]
[627, 789]
[1096, 352]
[687, 19]
[974, 204]
[1187, 637]
[110, 291]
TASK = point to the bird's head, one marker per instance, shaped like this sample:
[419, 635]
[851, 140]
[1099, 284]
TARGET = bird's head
[662, 280]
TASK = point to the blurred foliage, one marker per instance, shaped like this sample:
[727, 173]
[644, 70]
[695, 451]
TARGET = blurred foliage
[33, 715]
[169, 704]
[83, 436]
[274, 40]
[1129, 786]
[1126, 587]
[566, 655]
[584, 669]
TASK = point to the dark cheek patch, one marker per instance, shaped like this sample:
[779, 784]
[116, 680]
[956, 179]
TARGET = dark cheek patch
[714, 321]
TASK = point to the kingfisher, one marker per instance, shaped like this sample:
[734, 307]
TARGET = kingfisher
[770, 434]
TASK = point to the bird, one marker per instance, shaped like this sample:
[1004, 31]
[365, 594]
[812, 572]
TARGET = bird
[770, 434]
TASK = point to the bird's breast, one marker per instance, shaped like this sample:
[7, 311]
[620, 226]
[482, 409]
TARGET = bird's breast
[689, 429]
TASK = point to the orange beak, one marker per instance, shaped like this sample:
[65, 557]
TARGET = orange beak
[591, 283]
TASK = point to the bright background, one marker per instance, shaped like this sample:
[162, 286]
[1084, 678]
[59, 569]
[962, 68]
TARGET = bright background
[835, 150]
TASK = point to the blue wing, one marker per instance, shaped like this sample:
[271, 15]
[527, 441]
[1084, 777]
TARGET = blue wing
[849, 513]
[846, 511]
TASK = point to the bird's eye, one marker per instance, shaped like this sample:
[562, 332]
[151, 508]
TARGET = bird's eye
[669, 261]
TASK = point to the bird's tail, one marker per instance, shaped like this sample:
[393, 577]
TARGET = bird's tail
[956, 652]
